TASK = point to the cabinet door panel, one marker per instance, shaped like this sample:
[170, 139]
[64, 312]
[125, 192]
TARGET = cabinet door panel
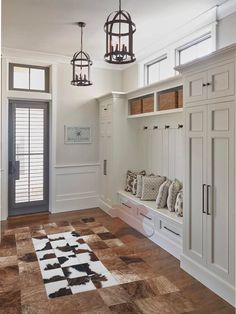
[222, 82]
[220, 227]
[195, 88]
[194, 219]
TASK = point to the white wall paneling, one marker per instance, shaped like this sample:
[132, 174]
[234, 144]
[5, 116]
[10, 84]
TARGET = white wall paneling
[76, 187]
[161, 150]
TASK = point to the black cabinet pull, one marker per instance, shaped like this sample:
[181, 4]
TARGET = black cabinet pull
[208, 84]
[171, 231]
[141, 214]
[126, 205]
[204, 84]
[104, 167]
[208, 200]
[203, 198]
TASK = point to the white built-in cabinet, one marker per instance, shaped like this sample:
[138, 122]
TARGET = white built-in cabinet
[214, 83]
[209, 189]
[117, 144]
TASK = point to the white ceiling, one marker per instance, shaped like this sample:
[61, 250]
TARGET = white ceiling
[49, 25]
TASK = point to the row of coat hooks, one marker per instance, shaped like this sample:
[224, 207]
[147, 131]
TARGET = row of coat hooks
[166, 127]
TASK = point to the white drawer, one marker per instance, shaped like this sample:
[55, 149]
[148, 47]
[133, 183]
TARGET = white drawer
[127, 205]
[170, 230]
[146, 215]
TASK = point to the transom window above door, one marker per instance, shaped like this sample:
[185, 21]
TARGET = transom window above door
[28, 78]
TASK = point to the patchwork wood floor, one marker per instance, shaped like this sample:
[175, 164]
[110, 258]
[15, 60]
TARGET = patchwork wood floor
[148, 279]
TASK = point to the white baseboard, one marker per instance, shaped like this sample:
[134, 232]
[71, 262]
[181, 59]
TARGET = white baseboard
[80, 203]
[107, 208]
[210, 280]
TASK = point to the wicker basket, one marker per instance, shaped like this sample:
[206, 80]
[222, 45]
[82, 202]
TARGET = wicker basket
[180, 98]
[148, 104]
[168, 100]
[135, 106]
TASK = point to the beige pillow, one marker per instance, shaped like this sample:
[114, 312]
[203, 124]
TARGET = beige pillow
[138, 182]
[150, 187]
[174, 189]
[163, 194]
[179, 204]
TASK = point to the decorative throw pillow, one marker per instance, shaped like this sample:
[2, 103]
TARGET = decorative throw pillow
[163, 194]
[150, 187]
[134, 187]
[179, 204]
[138, 181]
[130, 178]
[174, 189]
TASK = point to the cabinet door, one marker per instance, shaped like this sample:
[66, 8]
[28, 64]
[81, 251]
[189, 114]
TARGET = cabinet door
[221, 80]
[194, 219]
[221, 172]
[195, 88]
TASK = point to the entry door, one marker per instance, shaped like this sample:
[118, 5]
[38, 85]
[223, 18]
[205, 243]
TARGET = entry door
[28, 157]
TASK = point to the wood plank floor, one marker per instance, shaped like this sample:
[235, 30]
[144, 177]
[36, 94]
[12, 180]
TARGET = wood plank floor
[150, 280]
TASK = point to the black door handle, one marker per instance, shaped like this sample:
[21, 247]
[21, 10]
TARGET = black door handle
[208, 199]
[203, 198]
[104, 167]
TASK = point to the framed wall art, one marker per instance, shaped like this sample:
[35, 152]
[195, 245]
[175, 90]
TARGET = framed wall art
[77, 135]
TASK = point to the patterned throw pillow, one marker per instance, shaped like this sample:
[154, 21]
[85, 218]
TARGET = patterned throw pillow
[138, 182]
[150, 187]
[130, 179]
[174, 189]
[163, 194]
[179, 204]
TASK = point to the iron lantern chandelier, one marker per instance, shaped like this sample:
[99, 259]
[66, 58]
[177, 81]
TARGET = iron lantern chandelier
[119, 30]
[81, 64]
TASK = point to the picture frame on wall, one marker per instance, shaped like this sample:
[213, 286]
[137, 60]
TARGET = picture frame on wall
[77, 135]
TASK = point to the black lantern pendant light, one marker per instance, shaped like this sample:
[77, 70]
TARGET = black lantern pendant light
[81, 64]
[119, 30]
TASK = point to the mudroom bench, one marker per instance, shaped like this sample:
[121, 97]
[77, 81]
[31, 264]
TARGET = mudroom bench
[161, 226]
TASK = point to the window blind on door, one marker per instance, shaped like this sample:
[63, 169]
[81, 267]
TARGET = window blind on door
[29, 151]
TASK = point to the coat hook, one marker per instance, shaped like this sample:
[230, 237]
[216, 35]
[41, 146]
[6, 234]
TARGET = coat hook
[167, 126]
[155, 127]
[180, 126]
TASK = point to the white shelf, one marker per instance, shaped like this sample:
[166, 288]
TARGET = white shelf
[156, 113]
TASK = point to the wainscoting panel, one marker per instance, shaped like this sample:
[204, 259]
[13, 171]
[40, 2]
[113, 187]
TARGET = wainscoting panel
[162, 151]
[76, 187]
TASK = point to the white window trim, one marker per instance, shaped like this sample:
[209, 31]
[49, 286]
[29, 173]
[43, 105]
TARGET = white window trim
[152, 62]
[190, 44]
[170, 51]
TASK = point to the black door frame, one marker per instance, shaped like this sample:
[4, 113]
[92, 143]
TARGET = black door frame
[34, 206]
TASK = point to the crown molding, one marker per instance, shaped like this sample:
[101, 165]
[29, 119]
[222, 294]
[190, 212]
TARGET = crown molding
[46, 58]
[225, 9]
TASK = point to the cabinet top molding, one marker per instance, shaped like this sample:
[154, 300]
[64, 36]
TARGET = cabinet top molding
[228, 52]
[111, 95]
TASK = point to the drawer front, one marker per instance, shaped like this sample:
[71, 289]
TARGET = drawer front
[127, 205]
[170, 230]
[145, 215]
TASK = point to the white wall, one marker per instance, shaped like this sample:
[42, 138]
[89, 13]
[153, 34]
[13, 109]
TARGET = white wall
[77, 106]
[130, 77]
[226, 31]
